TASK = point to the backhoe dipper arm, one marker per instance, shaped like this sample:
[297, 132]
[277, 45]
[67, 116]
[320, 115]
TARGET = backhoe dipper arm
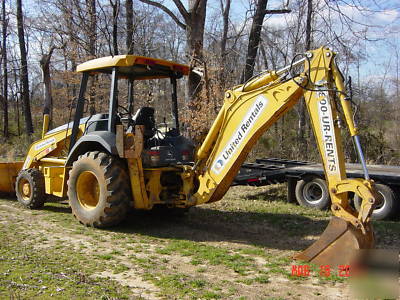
[250, 109]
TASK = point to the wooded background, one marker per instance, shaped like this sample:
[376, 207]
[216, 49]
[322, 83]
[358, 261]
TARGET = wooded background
[44, 40]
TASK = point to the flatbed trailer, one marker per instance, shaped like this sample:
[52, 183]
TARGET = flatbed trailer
[306, 184]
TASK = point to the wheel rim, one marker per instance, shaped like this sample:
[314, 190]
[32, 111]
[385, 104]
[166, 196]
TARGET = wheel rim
[312, 192]
[379, 207]
[88, 190]
[25, 189]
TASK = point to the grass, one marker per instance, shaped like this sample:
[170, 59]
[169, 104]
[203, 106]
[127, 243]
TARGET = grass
[232, 249]
[205, 254]
[105, 256]
[27, 273]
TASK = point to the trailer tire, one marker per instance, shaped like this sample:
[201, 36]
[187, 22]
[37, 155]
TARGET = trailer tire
[99, 190]
[313, 192]
[30, 188]
[389, 206]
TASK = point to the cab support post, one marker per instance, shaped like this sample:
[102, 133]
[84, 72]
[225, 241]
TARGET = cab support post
[113, 101]
[79, 110]
[130, 95]
[175, 104]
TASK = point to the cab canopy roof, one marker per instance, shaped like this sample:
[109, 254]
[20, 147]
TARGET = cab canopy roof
[136, 67]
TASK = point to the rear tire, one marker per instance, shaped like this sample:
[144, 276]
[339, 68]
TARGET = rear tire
[30, 188]
[389, 206]
[99, 190]
[313, 192]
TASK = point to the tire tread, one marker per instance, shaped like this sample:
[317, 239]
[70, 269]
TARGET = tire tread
[36, 179]
[116, 203]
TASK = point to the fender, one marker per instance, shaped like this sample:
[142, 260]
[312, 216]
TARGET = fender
[96, 140]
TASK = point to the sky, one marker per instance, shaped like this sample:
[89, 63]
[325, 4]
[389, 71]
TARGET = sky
[381, 17]
[383, 31]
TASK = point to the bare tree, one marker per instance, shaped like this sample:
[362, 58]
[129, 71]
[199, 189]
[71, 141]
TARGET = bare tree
[115, 12]
[24, 71]
[254, 39]
[308, 24]
[48, 98]
[193, 23]
[302, 110]
[225, 9]
[5, 70]
[92, 35]
[255, 34]
[129, 26]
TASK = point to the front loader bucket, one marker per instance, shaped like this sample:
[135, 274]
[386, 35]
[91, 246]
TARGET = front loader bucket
[338, 244]
[8, 174]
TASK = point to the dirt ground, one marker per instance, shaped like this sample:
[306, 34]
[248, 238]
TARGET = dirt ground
[238, 248]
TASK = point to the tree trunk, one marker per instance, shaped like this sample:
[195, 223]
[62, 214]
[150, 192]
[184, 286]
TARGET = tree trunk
[308, 24]
[225, 19]
[48, 99]
[5, 71]
[264, 56]
[195, 19]
[254, 39]
[16, 97]
[92, 32]
[24, 71]
[115, 9]
[129, 26]
[92, 38]
[195, 36]
[302, 109]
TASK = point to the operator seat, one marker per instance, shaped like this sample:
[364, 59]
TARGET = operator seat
[145, 116]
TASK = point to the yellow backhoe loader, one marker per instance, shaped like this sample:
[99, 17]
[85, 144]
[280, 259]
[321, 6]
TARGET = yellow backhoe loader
[111, 162]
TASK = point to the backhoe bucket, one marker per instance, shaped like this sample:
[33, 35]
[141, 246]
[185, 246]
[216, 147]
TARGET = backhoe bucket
[8, 174]
[338, 244]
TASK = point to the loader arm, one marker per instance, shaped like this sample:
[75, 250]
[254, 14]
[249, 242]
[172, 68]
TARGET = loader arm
[250, 109]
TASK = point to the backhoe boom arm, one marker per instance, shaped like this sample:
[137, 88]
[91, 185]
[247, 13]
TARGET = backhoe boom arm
[250, 109]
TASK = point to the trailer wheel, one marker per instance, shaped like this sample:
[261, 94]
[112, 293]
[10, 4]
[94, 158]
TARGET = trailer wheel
[313, 192]
[386, 209]
[30, 188]
[99, 190]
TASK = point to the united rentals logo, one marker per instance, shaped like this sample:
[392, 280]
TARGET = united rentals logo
[219, 164]
[328, 133]
[45, 143]
[240, 133]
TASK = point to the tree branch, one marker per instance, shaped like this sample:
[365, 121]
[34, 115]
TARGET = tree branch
[167, 11]
[181, 8]
[46, 57]
[276, 11]
[196, 5]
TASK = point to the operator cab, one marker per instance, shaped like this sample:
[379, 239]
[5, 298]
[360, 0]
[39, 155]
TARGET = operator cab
[163, 143]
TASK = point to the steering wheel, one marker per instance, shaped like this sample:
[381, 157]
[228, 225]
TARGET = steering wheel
[125, 114]
[125, 111]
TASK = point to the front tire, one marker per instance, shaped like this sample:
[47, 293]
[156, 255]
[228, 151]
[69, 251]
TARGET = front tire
[99, 190]
[30, 188]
